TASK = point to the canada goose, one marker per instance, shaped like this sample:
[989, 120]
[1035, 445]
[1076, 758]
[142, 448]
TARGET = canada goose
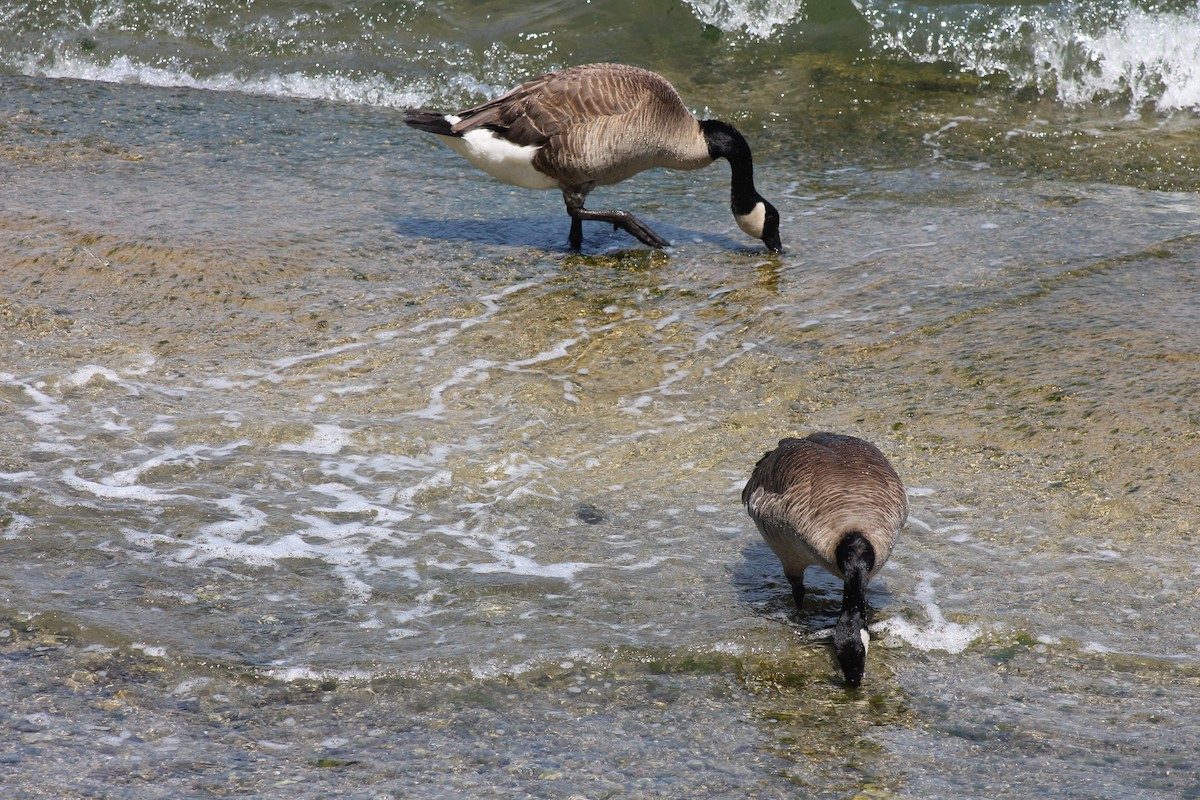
[834, 501]
[595, 125]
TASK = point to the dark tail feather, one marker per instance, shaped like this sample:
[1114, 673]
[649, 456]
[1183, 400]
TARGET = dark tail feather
[429, 121]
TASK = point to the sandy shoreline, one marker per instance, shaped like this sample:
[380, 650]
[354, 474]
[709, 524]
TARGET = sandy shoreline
[315, 401]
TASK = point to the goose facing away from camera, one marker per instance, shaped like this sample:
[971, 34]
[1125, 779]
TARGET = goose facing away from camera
[596, 125]
[833, 501]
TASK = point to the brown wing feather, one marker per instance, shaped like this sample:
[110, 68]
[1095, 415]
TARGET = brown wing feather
[593, 123]
[550, 103]
[808, 493]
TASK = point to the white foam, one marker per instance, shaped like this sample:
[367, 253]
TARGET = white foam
[1080, 53]
[647, 563]
[45, 410]
[436, 408]
[351, 502]
[558, 350]
[365, 511]
[189, 455]
[729, 648]
[937, 633]
[635, 406]
[373, 90]
[441, 479]
[1097, 648]
[120, 491]
[495, 668]
[1151, 55]
[746, 347]
[189, 686]
[267, 744]
[325, 440]
[515, 564]
[925, 526]
[758, 19]
[351, 575]
[16, 524]
[291, 361]
[247, 519]
[294, 674]
[505, 555]
[154, 651]
[84, 375]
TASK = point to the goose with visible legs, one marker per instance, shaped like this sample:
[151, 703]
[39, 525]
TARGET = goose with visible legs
[596, 125]
[832, 501]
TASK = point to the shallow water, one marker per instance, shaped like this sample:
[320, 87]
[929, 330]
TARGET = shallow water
[329, 472]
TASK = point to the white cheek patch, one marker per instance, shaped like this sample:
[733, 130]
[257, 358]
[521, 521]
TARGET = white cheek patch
[500, 158]
[752, 224]
[866, 639]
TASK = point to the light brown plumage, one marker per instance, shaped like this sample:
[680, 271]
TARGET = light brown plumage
[595, 125]
[833, 501]
[807, 494]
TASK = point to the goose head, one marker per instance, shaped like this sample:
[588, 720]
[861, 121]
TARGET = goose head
[850, 642]
[855, 556]
[762, 222]
[753, 214]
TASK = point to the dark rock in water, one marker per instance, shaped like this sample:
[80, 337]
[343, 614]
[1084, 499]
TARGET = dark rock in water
[589, 513]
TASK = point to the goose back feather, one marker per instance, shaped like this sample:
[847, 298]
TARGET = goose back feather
[596, 123]
[807, 494]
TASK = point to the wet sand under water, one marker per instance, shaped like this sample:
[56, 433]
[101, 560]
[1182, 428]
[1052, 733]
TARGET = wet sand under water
[508, 476]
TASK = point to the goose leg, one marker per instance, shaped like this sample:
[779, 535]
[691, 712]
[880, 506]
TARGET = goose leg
[575, 238]
[622, 220]
[797, 582]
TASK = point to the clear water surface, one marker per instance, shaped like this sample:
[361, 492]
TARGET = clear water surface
[330, 472]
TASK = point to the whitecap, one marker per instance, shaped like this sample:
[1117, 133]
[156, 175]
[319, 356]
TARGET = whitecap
[373, 90]
[759, 19]
[1080, 53]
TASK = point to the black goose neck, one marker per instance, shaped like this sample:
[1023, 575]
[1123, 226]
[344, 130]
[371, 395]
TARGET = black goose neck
[855, 558]
[725, 141]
